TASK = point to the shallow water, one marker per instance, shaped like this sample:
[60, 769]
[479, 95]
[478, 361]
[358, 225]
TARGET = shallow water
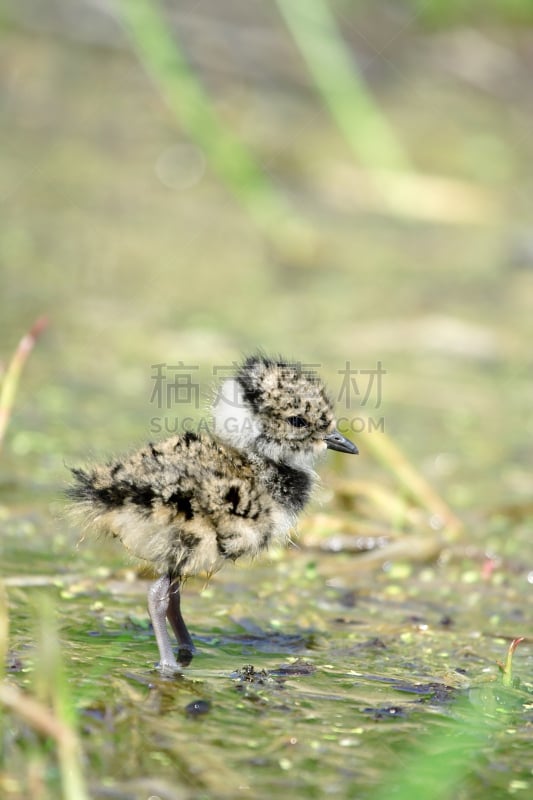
[307, 675]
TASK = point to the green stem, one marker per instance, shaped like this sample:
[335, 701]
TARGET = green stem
[53, 684]
[344, 91]
[507, 668]
[186, 97]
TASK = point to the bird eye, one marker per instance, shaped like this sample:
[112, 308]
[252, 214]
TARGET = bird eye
[297, 422]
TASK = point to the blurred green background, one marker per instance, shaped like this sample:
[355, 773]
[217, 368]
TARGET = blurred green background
[116, 224]
[337, 182]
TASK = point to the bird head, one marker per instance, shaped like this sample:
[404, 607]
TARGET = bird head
[280, 410]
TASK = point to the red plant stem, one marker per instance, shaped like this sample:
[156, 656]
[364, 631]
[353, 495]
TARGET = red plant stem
[12, 374]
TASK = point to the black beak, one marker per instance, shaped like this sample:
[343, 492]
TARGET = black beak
[336, 441]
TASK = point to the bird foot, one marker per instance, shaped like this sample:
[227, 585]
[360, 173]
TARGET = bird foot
[169, 668]
[185, 655]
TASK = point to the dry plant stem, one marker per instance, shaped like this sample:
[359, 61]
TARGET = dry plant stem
[42, 719]
[415, 548]
[12, 374]
[317, 530]
[419, 549]
[384, 449]
[35, 713]
[392, 507]
[4, 629]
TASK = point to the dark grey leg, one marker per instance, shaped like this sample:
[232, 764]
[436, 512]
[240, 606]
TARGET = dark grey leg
[158, 605]
[186, 648]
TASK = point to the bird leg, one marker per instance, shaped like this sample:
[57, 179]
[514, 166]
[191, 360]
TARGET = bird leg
[158, 606]
[186, 648]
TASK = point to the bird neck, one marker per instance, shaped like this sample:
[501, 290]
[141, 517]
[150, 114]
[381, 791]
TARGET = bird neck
[288, 485]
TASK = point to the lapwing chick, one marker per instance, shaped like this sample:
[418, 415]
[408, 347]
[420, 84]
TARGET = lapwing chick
[189, 503]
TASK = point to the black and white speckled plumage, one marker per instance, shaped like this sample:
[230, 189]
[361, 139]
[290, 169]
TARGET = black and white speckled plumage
[190, 502]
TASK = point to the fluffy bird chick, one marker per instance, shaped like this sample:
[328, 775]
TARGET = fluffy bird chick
[189, 503]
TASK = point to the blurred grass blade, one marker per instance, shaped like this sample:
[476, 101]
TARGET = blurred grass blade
[192, 107]
[449, 201]
[4, 629]
[12, 374]
[57, 721]
[344, 91]
[52, 687]
[35, 713]
[413, 482]
[439, 765]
